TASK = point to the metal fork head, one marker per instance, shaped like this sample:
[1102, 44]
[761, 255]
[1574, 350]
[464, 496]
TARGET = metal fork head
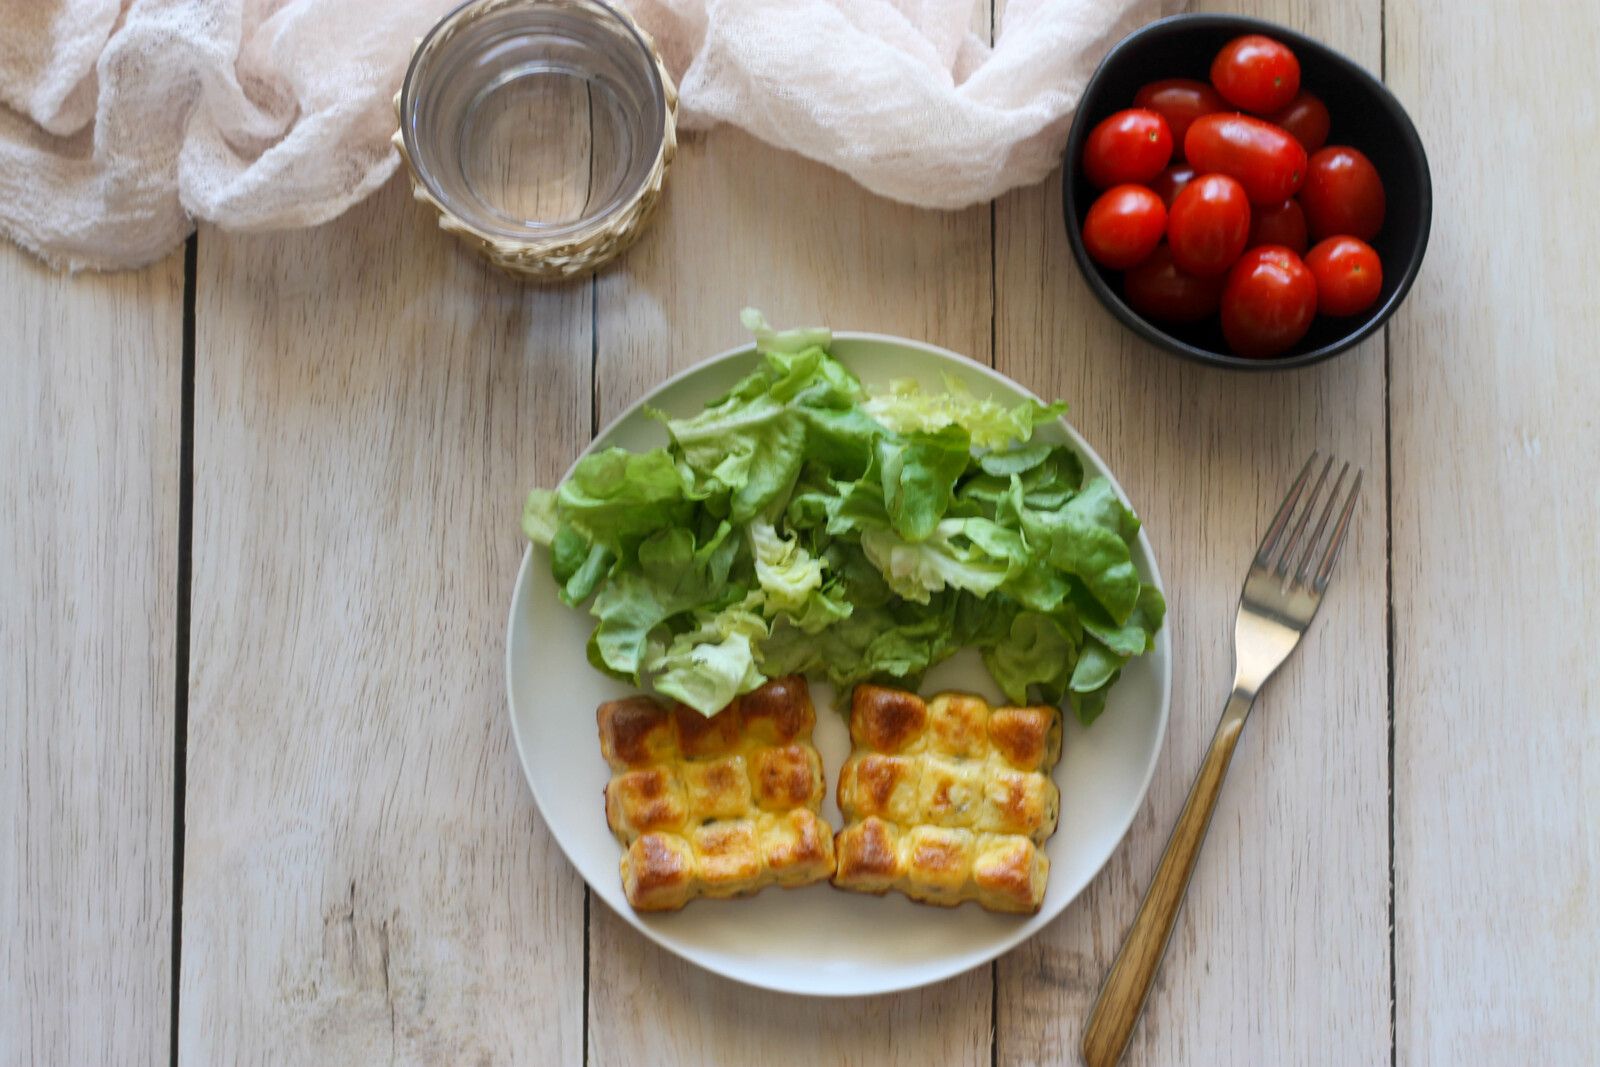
[1290, 572]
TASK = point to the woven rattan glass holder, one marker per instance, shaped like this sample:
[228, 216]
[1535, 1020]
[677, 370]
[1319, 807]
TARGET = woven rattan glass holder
[540, 131]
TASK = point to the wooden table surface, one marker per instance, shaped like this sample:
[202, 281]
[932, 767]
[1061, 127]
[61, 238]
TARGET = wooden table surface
[258, 528]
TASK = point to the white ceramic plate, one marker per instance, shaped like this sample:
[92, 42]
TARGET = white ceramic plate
[818, 940]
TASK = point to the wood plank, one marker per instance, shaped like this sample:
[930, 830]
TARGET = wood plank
[745, 224]
[90, 402]
[1281, 953]
[366, 876]
[1497, 545]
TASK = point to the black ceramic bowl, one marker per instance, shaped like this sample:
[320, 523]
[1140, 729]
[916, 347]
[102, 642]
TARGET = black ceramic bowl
[1364, 115]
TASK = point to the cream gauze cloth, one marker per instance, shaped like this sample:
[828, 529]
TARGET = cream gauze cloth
[124, 123]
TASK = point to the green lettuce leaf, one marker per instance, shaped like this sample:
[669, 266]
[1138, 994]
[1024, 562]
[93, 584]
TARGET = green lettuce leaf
[1047, 478]
[577, 565]
[841, 441]
[1037, 651]
[797, 525]
[906, 408]
[1088, 706]
[1137, 634]
[975, 555]
[1088, 537]
[887, 642]
[752, 441]
[617, 498]
[539, 521]
[674, 575]
[770, 340]
[919, 473]
[787, 573]
[1108, 649]
[791, 581]
[713, 661]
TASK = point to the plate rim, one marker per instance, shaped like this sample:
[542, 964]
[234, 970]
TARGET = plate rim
[1024, 930]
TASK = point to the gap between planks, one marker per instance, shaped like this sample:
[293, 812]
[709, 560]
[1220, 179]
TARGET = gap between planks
[180, 673]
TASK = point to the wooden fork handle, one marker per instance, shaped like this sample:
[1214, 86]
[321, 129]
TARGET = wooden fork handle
[1116, 1010]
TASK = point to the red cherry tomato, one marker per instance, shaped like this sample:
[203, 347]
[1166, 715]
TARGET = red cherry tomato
[1348, 273]
[1306, 120]
[1256, 73]
[1266, 161]
[1180, 101]
[1268, 302]
[1124, 226]
[1208, 225]
[1343, 194]
[1282, 225]
[1170, 182]
[1157, 289]
[1130, 146]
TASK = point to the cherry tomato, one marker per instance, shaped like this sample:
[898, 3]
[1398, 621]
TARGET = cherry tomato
[1170, 182]
[1268, 302]
[1343, 194]
[1180, 101]
[1348, 273]
[1267, 162]
[1208, 225]
[1306, 120]
[1130, 146]
[1256, 73]
[1157, 289]
[1124, 226]
[1282, 225]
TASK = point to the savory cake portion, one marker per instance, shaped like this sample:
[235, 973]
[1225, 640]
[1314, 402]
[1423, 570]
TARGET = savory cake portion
[948, 800]
[719, 806]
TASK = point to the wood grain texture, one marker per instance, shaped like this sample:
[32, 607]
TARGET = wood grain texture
[90, 401]
[745, 224]
[1281, 952]
[1497, 544]
[1115, 1013]
[366, 877]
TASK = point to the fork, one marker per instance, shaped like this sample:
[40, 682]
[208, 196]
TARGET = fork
[1276, 607]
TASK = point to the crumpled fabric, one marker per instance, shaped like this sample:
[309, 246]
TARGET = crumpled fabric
[123, 124]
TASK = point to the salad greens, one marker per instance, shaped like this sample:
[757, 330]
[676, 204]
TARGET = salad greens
[801, 524]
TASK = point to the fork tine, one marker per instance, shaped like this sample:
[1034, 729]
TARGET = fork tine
[1331, 556]
[1322, 521]
[1270, 542]
[1305, 516]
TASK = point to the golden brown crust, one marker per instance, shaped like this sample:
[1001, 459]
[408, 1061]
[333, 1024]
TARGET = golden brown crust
[657, 872]
[717, 806]
[938, 861]
[700, 736]
[959, 722]
[1011, 874]
[780, 711]
[718, 788]
[644, 800]
[1019, 803]
[950, 792]
[787, 777]
[633, 732]
[798, 845]
[728, 859]
[867, 857]
[886, 720]
[1028, 738]
[948, 801]
[880, 785]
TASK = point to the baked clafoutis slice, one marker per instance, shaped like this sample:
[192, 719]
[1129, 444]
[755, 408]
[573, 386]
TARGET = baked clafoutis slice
[715, 807]
[948, 800]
